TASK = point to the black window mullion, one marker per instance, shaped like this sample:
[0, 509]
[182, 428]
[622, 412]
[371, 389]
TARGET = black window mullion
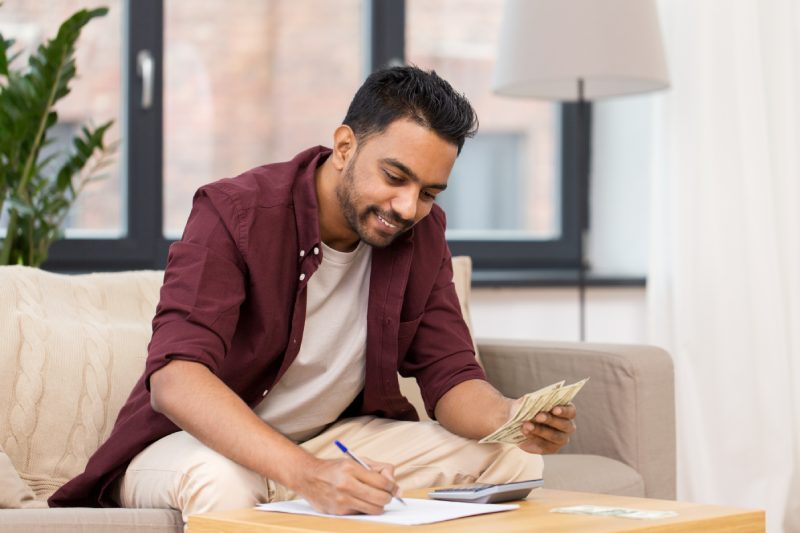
[387, 19]
[146, 131]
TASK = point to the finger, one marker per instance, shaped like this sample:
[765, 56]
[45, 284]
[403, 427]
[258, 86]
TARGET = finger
[372, 487]
[565, 411]
[547, 433]
[536, 444]
[551, 434]
[357, 505]
[565, 425]
[377, 479]
[385, 469]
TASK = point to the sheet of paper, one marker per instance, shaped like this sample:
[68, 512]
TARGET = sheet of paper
[415, 512]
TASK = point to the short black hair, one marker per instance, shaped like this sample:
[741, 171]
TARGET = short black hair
[408, 92]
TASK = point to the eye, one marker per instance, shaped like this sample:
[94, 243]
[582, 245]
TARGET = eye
[428, 196]
[392, 178]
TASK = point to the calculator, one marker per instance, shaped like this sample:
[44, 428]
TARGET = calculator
[486, 492]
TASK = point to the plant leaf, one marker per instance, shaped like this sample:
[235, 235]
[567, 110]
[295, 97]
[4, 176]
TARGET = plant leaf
[5, 45]
[31, 96]
[27, 100]
[20, 206]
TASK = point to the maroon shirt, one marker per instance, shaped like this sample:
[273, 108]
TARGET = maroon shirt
[234, 299]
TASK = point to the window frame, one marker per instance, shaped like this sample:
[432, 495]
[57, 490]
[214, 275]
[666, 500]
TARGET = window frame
[495, 262]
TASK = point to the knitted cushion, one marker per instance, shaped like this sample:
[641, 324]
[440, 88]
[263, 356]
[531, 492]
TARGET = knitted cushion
[72, 349]
[14, 493]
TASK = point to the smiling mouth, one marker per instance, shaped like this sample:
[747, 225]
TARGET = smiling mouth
[385, 222]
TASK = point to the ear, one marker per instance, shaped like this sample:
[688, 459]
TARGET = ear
[344, 146]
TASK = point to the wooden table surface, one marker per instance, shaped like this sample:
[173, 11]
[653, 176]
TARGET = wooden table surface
[533, 515]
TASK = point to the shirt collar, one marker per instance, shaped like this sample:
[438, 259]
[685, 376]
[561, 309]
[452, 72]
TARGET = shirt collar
[304, 197]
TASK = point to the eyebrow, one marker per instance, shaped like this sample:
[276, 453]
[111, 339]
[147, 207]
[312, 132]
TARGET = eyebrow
[410, 173]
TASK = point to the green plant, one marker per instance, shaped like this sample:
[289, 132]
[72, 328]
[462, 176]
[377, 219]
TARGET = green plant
[37, 192]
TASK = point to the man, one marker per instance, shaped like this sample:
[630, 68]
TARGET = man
[295, 295]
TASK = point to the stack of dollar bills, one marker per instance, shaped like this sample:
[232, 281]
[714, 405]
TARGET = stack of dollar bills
[533, 403]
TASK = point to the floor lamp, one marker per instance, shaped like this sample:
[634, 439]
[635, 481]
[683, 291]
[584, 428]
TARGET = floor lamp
[579, 51]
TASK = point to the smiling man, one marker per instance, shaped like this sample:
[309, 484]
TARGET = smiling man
[296, 294]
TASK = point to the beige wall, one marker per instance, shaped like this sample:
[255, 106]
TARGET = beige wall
[614, 314]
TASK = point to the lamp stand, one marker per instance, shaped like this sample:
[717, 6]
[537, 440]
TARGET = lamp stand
[583, 208]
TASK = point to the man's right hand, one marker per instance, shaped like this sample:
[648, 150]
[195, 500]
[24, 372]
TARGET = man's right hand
[194, 399]
[342, 486]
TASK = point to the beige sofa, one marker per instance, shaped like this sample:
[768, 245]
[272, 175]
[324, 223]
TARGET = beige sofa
[71, 348]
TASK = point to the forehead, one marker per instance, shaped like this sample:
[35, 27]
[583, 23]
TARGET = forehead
[419, 148]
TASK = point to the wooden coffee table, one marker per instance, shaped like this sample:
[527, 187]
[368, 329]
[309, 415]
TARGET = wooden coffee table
[533, 515]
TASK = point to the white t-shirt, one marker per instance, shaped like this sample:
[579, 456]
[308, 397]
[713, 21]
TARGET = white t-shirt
[328, 372]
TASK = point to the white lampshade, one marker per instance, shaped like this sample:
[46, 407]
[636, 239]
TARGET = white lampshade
[546, 46]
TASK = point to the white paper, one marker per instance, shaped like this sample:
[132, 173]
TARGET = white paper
[415, 512]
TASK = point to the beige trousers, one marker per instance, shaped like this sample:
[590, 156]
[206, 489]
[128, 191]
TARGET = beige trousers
[179, 472]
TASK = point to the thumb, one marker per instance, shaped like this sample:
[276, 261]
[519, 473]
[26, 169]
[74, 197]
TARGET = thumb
[385, 469]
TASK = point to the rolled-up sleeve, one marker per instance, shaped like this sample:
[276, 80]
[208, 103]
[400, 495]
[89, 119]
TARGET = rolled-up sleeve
[441, 354]
[204, 286]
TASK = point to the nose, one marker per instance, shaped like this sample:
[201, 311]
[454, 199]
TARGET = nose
[405, 204]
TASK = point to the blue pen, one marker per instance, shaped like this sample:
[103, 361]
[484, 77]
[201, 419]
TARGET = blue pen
[359, 461]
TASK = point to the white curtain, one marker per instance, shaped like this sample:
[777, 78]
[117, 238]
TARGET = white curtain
[724, 280]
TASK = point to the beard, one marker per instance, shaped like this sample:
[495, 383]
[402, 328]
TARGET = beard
[348, 198]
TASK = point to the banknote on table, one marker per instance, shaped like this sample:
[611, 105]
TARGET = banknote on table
[621, 512]
[533, 403]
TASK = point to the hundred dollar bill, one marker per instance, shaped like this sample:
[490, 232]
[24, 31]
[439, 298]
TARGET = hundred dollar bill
[533, 403]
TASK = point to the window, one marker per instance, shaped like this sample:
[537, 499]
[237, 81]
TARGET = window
[110, 227]
[236, 84]
[96, 96]
[248, 83]
[509, 203]
[543, 242]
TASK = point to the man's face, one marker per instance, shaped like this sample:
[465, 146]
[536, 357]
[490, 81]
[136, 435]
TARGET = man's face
[391, 182]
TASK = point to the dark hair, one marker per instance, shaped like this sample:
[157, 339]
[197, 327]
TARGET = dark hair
[411, 93]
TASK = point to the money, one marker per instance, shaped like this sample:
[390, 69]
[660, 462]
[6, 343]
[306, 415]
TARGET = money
[533, 403]
[620, 512]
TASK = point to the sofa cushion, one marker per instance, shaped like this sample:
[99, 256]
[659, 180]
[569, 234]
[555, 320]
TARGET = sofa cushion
[462, 279]
[591, 473]
[14, 493]
[73, 347]
[86, 520]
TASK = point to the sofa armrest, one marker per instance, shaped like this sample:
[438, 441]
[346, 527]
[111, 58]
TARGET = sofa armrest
[626, 411]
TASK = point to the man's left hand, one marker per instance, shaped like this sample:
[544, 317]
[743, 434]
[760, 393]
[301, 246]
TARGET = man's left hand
[548, 432]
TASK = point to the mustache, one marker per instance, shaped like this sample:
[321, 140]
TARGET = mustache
[393, 218]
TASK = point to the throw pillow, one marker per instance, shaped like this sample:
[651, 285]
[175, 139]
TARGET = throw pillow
[14, 493]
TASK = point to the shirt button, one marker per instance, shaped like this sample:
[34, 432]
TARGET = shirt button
[302, 277]
[264, 393]
[302, 253]
[316, 251]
